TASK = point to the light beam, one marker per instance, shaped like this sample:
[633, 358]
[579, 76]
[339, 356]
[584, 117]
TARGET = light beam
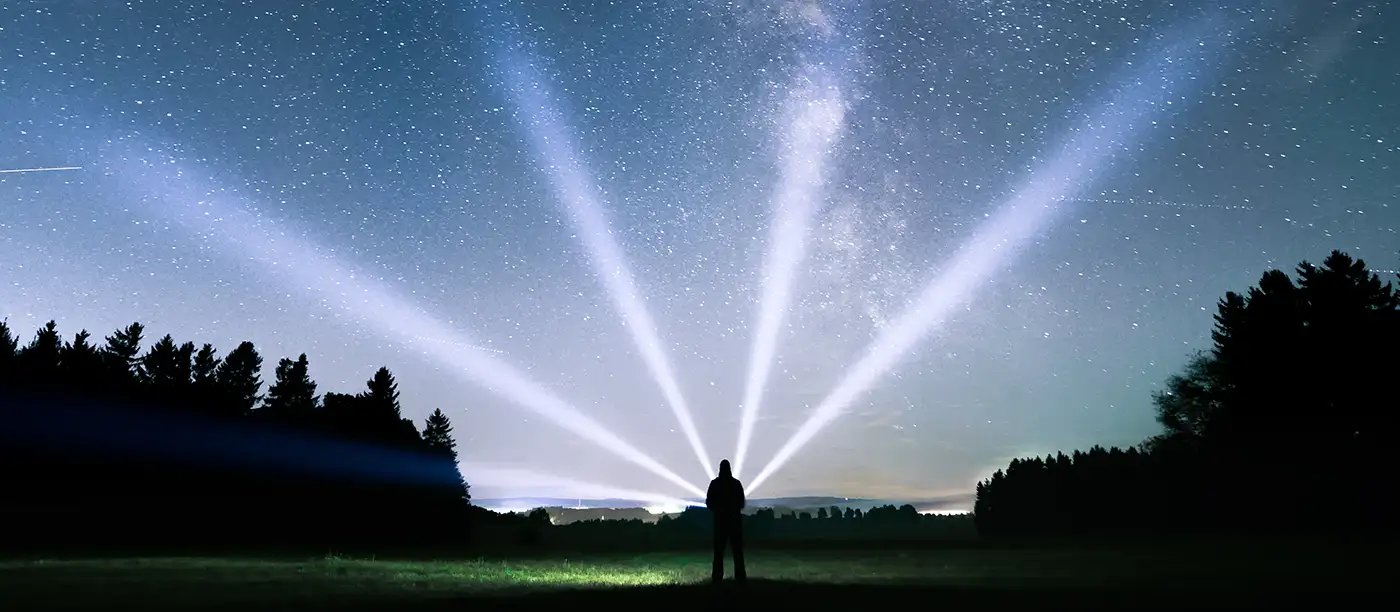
[1033, 205]
[28, 170]
[816, 115]
[537, 484]
[213, 214]
[542, 122]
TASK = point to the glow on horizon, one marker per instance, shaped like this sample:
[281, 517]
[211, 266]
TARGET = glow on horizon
[816, 115]
[488, 475]
[572, 184]
[1031, 208]
[211, 212]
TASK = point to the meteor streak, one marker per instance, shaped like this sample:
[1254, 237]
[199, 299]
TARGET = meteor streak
[27, 170]
[542, 122]
[1123, 202]
[1031, 208]
[465, 346]
[201, 209]
[817, 115]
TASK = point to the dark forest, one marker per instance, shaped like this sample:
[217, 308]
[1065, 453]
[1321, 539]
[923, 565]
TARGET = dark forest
[1280, 426]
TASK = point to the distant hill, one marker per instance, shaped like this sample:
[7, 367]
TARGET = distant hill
[563, 511]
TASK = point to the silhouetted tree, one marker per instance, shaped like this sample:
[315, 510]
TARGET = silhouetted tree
[383, 416]
[9, 347]
[83, 459]
[239, 381]
[437, 436]
[204, 383]
[121, 359]
[344, 411]
[39, 360]
[1190, 398]
[81, 363]
[292, 396]
[383, 394]
[1288, 399]
[165, 371]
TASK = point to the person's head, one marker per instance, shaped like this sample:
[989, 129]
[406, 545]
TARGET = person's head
[724, 469]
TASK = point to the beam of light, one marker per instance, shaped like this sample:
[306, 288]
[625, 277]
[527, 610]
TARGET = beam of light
[542, 122]
[816, 115]
[1113, 127]
[216, 214]
[27, 170]
[529, 483]
[116, 430]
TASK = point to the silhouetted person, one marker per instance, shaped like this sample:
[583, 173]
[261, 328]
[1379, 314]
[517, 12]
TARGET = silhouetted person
[725, 499]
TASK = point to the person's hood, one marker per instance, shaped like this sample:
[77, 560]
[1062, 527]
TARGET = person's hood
[724, 469]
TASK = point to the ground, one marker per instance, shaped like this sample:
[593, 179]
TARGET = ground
[969, 578]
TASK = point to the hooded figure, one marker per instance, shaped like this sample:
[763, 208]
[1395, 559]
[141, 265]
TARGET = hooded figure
[725, 499]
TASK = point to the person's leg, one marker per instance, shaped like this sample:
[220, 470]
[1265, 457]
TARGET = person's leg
[717, 570]
[736, 541]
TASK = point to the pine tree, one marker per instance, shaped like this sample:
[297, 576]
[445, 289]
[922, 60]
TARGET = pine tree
[165, 370]
[239, 380]
[342, 409]
[437, 435]
[121, 361]
[384, 420]
[383, 393]
[184, 374]
[81, 363]
[9, 346]
[204, 384]
[292, 395]
[39, 360]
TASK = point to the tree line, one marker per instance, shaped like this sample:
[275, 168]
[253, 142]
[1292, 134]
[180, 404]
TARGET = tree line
[1282, 425]
[763, 528]
[105, 445]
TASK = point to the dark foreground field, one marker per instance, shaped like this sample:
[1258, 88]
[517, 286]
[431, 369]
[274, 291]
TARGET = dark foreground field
[1251, 575]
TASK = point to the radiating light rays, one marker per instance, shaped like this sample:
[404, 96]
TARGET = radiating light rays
[1112, 128]
[218, 216]
[541, 122]
[815, 118]
[28, 170]
[529, 483]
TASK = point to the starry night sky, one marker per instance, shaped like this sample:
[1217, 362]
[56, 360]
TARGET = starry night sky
[383, 136]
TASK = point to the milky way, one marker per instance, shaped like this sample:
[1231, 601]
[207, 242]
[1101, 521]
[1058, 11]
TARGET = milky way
[379, 131]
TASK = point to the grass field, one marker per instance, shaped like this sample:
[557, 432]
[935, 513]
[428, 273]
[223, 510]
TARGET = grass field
[1265, 576]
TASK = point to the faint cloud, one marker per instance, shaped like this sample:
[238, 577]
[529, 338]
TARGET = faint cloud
[1316, 55]
[956, 502]
[884, 418]
[787, 15]
[809, 13]
[881, 485]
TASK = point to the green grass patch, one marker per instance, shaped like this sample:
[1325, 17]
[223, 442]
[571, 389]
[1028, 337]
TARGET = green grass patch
[189, 583]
